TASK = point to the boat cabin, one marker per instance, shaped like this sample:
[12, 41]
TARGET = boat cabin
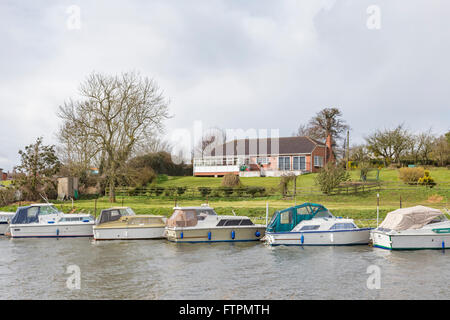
[189, 216]
[287, 219]
[31, 213]
[114, 214]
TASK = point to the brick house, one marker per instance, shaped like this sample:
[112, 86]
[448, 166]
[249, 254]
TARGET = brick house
[265, 157]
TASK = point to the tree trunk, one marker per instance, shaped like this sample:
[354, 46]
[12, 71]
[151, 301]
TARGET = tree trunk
[112, 189]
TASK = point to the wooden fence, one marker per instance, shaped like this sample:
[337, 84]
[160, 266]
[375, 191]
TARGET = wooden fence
[249, 192]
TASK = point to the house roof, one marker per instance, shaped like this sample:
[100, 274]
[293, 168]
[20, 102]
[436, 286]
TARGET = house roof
[269, 146]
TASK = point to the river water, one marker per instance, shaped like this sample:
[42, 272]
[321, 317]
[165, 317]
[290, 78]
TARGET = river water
[146, 269]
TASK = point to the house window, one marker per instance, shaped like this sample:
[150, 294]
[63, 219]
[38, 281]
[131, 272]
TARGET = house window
[284, 163]
[262, 160]
[299, 163]
[318, 161]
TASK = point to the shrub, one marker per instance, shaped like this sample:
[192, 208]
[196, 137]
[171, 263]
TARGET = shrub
[204, 191]
[284, 182]
[158, 190]
[181, 190]
[170, 191]
[330, 177]
[240, 191]
[427, 180]
[231, 180]
[7, 196]
[254, 190]
[411, 175]
[227, 191]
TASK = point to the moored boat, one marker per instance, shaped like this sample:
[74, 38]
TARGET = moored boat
[122, 223]
[203, 224]
[311, 224]
[412, 228]
[45, 220]
[5, 218]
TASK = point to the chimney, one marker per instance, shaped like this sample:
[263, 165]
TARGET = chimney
[329, 144]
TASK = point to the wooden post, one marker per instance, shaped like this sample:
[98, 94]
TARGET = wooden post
[400, 201]
[267, 212]
[95, 208]
[348, 149]
[378, 207]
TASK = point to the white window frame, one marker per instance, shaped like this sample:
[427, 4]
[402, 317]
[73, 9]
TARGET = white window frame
[284, 168]
[299, 163]
[318, 161]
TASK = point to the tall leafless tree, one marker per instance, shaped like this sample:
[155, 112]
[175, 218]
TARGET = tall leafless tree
[115, 114]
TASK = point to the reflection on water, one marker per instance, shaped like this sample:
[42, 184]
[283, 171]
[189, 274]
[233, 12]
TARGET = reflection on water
[36, 269]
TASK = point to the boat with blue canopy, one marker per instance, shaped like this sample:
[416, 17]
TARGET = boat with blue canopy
[45, 220]
[311, 224]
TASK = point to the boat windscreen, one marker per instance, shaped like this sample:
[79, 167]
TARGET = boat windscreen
[109, 215]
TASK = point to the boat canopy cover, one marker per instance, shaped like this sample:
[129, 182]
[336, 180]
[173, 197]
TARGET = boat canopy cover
[409, 218]
[114, 214]
[26, 215]
[286, 219]
[183, 218]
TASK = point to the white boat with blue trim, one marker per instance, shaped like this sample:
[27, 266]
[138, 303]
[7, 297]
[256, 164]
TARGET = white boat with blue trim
[203, 224]
[413, 228]
[5, 218]
[44, 220]
[311, 224]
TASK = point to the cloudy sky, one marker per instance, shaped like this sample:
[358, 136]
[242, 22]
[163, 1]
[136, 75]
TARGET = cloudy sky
[261, 64]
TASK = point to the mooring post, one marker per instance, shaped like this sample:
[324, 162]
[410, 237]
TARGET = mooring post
[95, 208]
[267, 212]
[378, 207]
[400, 201]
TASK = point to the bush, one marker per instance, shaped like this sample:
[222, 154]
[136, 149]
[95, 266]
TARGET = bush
[159, 190]
[411, 175]
[427, 180]
[331, 177]
[181, 190]
[7, 196]
[254, 190]
[231, 180]
[227, 191]
[205, 191]
[170, 191]
[284, 182]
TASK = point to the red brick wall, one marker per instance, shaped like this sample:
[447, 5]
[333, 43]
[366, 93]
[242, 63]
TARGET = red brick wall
[318, 151]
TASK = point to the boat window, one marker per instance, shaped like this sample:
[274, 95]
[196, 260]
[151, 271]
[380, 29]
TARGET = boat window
[310, 227]
[44, 210]
[32, 213]
[323, 213]
[343, 226]
[126, 212]
[233, 222]
[206, 212]
[286, 217]
[246, 222]
[304, 210]
[440, 218]
[145, 220]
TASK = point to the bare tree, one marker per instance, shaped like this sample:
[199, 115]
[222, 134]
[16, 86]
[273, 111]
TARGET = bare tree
[390, 144]
[116, 114]
[441, 150]
[326, 122]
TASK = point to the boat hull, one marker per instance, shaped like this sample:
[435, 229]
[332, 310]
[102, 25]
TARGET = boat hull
[410, 241]
[128, 233]
[3, 228]
[51, 230]
[223, 234]
[319, 238]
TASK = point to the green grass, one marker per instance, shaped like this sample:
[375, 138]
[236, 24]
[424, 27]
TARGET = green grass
[361, 206]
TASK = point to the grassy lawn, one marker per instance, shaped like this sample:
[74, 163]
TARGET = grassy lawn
[361, 206]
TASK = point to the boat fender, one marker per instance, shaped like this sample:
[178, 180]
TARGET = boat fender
[181, 235]
[258, 234]
[209, 235]
[233, 234]
[57, 232]
[302, 239]
[443, 244]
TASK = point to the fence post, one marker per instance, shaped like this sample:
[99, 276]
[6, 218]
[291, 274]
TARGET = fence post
[95, 208]
[400, 201]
